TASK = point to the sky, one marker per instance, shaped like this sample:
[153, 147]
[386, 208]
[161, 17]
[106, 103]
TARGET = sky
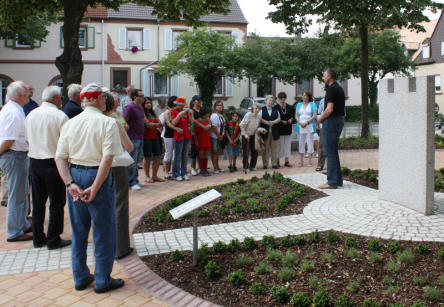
[256, 11]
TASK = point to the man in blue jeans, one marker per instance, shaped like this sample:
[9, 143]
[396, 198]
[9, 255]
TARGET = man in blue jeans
[84, 155]
[332, 123]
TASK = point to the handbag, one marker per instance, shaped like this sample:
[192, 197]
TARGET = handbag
[123, 160]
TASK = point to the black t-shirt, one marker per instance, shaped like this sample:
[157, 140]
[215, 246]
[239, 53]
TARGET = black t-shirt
[286, 114]
[336, 95]
[196, 114]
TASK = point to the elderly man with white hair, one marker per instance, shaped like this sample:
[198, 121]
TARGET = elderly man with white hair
[43, 126]
[73, 106]
[14, 161]
[84, 156]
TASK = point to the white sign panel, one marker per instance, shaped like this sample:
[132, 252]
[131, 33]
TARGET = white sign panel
[194, 203]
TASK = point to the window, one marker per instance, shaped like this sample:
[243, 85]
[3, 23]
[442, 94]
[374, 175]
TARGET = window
[120, 78]
[134, 39]
[23, 41]
[425, 51]
[438, 84]
[160, 84]
[219, 89]
[82, 37]
[175, 35]
[3, 85]
[442, 49]
[302, 87]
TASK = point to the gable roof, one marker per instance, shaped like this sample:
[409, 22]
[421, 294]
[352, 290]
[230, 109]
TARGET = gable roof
[412, 39]
[137, 12]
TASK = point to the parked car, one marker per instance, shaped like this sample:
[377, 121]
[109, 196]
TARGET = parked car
[248, 102]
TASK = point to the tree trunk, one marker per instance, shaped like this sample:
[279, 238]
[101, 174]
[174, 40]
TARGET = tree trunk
[69, 63]
[363, 31]
[373, 92]
[207, 87]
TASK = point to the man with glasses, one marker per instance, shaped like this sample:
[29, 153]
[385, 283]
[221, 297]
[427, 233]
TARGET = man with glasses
[43, 127]
[135, 117]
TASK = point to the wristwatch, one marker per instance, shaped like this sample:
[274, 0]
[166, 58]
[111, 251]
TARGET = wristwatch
[67, 186]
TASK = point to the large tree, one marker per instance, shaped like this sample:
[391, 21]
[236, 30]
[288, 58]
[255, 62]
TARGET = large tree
[14, 15]
[206, 56]
[362, 16]
[386, 55]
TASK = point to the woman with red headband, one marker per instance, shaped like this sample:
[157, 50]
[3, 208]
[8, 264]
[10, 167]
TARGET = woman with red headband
[181, 119]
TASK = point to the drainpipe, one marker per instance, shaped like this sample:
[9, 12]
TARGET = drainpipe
[158, 55]
[144, 67]
[103, 52]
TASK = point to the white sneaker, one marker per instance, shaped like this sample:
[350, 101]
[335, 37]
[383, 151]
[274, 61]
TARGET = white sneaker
[179, 178]
[317, 155]
[136, 187]
[185, 177]
[194, 172]
[306, 155]
[142, 184]
[216, 172]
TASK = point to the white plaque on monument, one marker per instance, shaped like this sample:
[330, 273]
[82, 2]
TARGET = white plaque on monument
[194, 203]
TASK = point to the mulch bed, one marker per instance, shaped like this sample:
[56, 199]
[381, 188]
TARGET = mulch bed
[335, 274]
[227, 208]
[361, 181]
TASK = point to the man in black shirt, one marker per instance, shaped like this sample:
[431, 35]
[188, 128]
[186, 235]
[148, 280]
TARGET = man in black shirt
[333, 122]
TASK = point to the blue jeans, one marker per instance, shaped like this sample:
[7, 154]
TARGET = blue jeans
[133, 171]
[331, 131]
[180, 160]
[15, 165]
[101, 212]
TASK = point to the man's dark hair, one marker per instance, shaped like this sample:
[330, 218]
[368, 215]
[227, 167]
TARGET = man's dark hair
[109, 101]
[332, 73]
[204, 111]
[171, 101]
[150, 111]
[134, 93]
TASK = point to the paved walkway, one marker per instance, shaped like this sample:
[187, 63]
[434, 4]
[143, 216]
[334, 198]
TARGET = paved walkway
[41, 277]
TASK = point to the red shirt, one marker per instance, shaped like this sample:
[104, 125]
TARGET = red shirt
[151, 133]
[202, 135]
[183, 123]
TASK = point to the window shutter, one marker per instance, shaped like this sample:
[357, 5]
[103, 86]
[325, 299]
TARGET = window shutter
[91, 38]
[168, 39]
[122, 38]
[146, 39]
[175, 85]
[147, 83]
[229, 86]
[235, 36]
[62, 43]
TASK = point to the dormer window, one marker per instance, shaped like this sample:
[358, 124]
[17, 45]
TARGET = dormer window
[425, 51]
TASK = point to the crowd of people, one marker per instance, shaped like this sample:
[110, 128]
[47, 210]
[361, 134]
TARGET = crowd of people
[88, 154]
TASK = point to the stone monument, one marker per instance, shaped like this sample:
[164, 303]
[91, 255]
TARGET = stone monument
[406, 142]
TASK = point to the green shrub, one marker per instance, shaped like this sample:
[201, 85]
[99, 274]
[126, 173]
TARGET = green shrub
[345, 171]
[332, 236]
[322, 299]
[244, 261]
[396, 304]
[244, 195]
[441, 279]
[373, 245]
[290, 259]
[249, 244]
[388, 281]
[257, 208]
[441, 253]
[231, 202]
[220, 247]
[262, 268]
[269, 241]
[353, 286]
[431, 293]
[307, 265]
[393, 246]
[258, 288]
[300, 240]
[286, 241]
[343, 301]
[224, 211]
[352, 253]
[239, 208]
[328, 257]
[393, 266]
[236, 278]
[266, 176]
[351, 242]
[159, 215]
[315, 237]
[228, 195]
[420, 280]
[300, 299]
[274, 255]
[252, 202]
[315, 283]
[368, 302]
[234, 245]
[177, 255]
[280, 293]
[268, 194]
[422, 249]
[406, 257]
[212, 269]
[286, 274]
[375, 257]
[353, 113]
[241, 181]
[419, 303]
[203, 254]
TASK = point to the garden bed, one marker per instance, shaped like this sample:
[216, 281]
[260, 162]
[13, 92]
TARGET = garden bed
[270, 196]
[345, 270]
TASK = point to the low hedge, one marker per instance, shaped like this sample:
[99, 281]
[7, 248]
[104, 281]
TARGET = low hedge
[357, 142]
[353, 113]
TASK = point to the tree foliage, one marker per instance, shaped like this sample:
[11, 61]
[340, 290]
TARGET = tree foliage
[361, 16]
[206, 56]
